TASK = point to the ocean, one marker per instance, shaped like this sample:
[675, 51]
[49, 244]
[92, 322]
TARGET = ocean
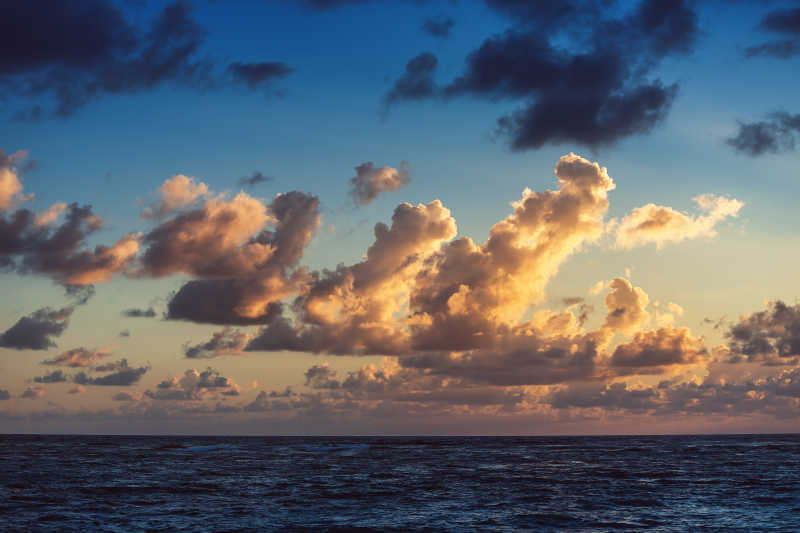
[653, 483]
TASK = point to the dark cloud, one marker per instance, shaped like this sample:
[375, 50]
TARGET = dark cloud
[595, 91]
[784, 22]
[261, 74]
[121, 375]
[321, 377]
[654, 352]
[35, 331]
[216, 302]
[81, 294]
[4, 395]
[776, 134]
[124, 333]
[613, 396]
[57, 376]
[194, 385]
[438, 26]
[226, 342]
[255, 179]
[32, 393]
[78, 53]
[139, 313]
[771, 336]
[417, 82]
[371, 181]
[28, 246]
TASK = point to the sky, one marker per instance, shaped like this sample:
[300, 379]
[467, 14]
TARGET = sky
[364, 217]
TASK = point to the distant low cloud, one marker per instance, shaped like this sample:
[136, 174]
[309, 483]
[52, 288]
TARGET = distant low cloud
[32, 393]
[36, 331]
[57, 376]
[176, 192]
[440, 26]
[194, 385]
[4, 395]
[120, 374]
[139, 313]
[778, 133]
[78, 357]
[371, 181]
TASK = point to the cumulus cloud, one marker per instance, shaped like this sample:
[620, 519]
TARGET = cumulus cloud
[176, 192]
[119, 374]
[4, 395]
[370, 181]
[662, 225]
[36, 331]
[584, 71]
[50, 215]
[244, 275]
[656, 351]
[771, 336]
[194, 385]
[77, 389]
[226, 342]
[321, 377]
[10, 185]
[78, 357]
[778, 133]
[626, 305]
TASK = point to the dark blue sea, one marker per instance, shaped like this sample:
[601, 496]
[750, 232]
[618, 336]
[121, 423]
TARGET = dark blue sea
[662, 483]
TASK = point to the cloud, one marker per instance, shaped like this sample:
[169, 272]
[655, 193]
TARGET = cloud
[126, 397]
[226, 342]
[57, 376]
[661, 225]
[78, 357]
[417, 82]
[4, 395]
[321, 377]
[10, 185]
[119, 375]
[656, 351]
[771, 337]
[261, 74]
[60, 251]
[370, 181]
[245, 273]
[176, 192]
[77, 389]
[139, 313]
[32, 393]
[440, 26]
[35, 331]
[784, 22]
[255, 179]
[584, 72]
[50, 215]
[194, 385]
[614, 396]
[775, 135]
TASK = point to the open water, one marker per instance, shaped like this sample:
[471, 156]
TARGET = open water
[661, 483]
